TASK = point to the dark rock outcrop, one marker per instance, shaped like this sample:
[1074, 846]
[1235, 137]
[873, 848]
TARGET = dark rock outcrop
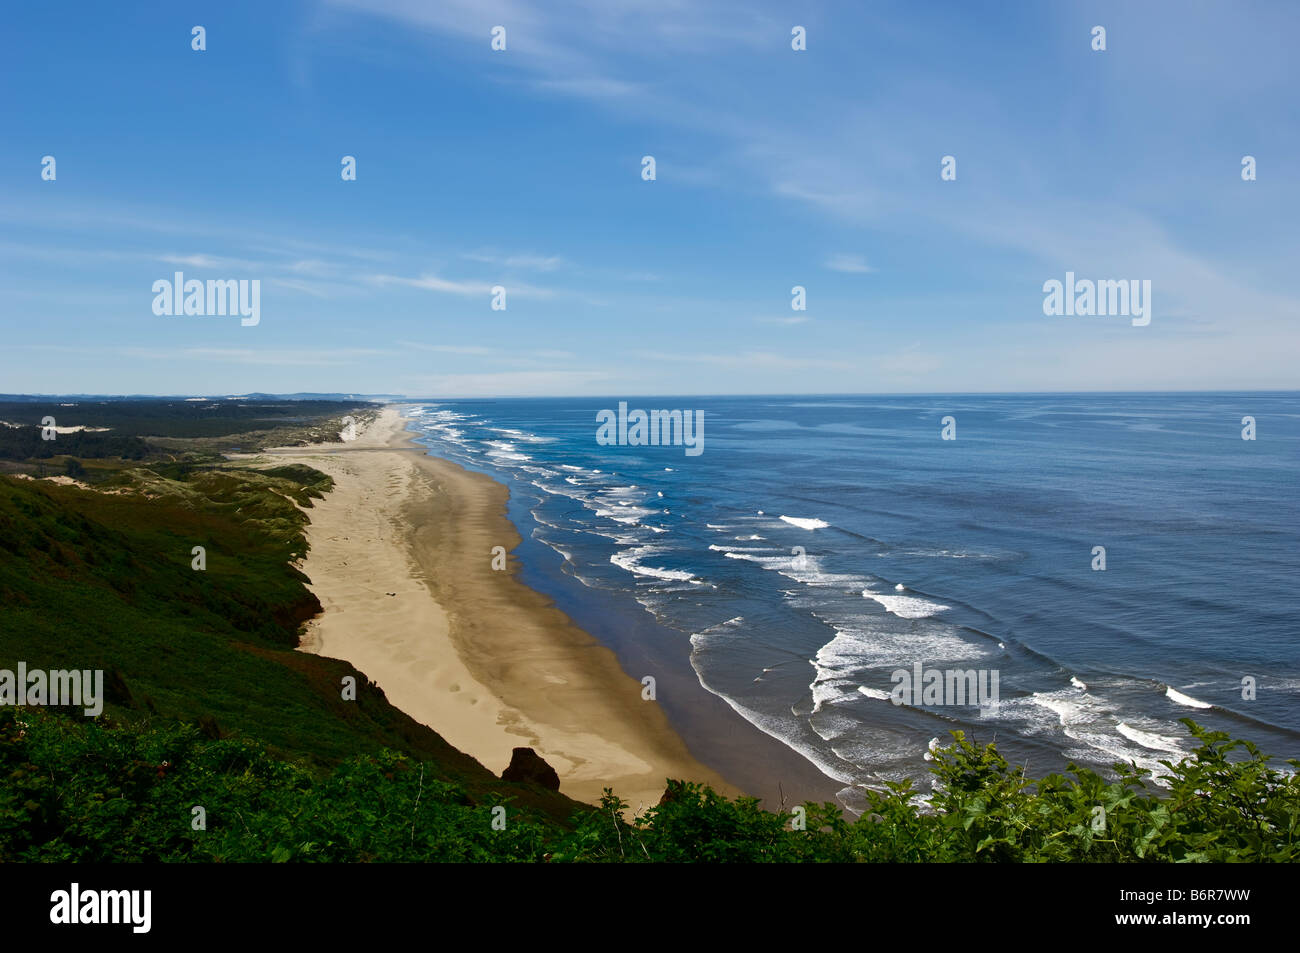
[208, 728]
[527, 765]
[115, 690]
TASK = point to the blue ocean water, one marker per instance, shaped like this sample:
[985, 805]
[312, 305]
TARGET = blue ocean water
[818, 545]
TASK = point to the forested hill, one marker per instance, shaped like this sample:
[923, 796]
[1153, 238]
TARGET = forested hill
[135, 429]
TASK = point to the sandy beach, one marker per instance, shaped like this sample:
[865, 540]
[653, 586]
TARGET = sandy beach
[401, 560]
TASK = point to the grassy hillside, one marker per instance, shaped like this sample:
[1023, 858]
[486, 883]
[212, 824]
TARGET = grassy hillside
[104, 580]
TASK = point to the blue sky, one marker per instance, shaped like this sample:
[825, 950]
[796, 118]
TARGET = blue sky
[522, 168]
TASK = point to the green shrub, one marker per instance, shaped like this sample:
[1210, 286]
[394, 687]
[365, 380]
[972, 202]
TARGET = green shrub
[75, 790]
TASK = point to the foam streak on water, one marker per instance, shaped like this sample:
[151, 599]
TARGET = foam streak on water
[901, 551]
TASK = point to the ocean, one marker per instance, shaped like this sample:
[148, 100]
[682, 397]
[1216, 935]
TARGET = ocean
[818, 548]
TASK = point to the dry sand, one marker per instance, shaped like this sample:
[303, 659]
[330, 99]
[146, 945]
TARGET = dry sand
[401, 553]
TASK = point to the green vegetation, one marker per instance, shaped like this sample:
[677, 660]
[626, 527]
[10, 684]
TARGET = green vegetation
[25, 443]
[93, 792]
[95, 579]
[208, 704]
[174, 417]
[129, 431]
[77, 791]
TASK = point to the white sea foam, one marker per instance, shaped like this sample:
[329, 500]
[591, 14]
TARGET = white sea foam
[768, 562]
[874, 693]
[805, 569]
[631, 516]
[713, 631]
[1149, 739]
[1091, 720]
[906, 607]
[1067, 710]
[783, 728]
[803, 523]
[619, 504]
[861, 648]
[630, 560]
[837, 665]
[560, 491]
[1074, 681]
[1188, 700]
[521, 435]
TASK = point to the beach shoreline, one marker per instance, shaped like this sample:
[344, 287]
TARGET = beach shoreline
[401, 558]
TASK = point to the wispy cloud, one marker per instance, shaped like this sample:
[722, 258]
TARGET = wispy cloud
[592, 87]
[314, 289]
[306, 357]
[749, 359]
[849, 264]
[312, 266]
[212, 261]
[581, 48]
[434, 283]
[526, 261]
[446, 348]
[463, 288]
[911, 361]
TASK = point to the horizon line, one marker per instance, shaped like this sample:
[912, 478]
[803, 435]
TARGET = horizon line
[410, 398]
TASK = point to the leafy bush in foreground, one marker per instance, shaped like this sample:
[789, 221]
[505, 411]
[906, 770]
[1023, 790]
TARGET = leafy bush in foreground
[77, 791]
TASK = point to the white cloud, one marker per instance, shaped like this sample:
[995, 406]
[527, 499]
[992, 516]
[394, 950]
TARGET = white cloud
[849, 264]
[446, 348]
[466, 288]
[594, 87]
[527, 261]
[203, 261]
[909, 362]
[306, 287]
[307, 357]
[751, 359]
[434, 283]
